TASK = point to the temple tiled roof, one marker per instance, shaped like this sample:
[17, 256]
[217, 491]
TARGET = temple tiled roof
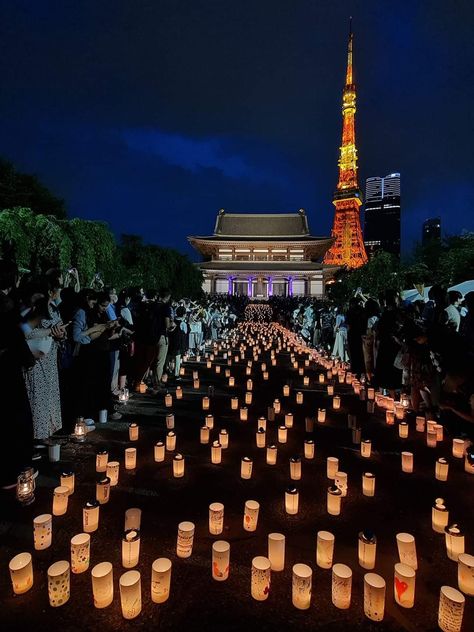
[261, 225]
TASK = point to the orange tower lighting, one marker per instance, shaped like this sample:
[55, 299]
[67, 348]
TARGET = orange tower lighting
[348, 247]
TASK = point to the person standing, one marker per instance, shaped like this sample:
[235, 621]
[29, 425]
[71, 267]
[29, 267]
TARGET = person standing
[162, 324]
[452, 310]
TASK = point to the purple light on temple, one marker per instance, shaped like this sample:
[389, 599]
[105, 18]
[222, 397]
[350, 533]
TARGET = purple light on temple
[270, 286]
[249, 292]
[229, 289]
[290, 286]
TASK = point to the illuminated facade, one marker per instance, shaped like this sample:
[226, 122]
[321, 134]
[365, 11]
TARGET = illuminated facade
[348, 248]
[262, 254]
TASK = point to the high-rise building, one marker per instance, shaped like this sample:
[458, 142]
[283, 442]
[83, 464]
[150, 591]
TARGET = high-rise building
[382, 215]
[348, 247]
[431, 230]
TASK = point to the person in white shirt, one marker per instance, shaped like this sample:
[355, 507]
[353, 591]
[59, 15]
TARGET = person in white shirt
[452, 311]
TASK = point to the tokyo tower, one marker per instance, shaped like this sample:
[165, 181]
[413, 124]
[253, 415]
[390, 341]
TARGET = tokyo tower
[348, 248]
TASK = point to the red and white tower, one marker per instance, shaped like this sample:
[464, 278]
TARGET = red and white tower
[348, 248]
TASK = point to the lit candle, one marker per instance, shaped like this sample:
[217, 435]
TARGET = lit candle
[276, 406]
[42, 531]
[216, 518]
[59, 582]
[321, 415]
[286, 391]
[458, 448]
[206, 402]
[309, 449]
[113, 469]
[341, 589]
[407, 462]
[439, 516]
[246, 468]
[178, 466]
[366, 448]
[170, 441]
[330, 389]
[451, 609]
[260, 438]
[420, 424]
[80, 552]
[272, 452]
[248, 398]
[168, 400]
[276, 551]
[407, 550]
[101, 459]
[334, 498]
[224, 438]
[368, 484]
[210, 421]
[130, 548]
[454, 538]
[130, 594]
[299, 397]
[332, 466]
[404, 585]
[184, 543]
[403, 430]
[282, 434]
[130, 458]
[291, 501]
[133, 432]
[60, 500]
[431, 439]
[324, 549]
[336, 402]
[102, 584]
[21, 573]
[102, 490]
[169, 421]
[374, 596]
[220, 560]
[340, 480]
[260, 581]
[160, 580]
[301, 586]
[441, 469]
[216, 452]
[251, 511]
[289, 420]
[295, 468]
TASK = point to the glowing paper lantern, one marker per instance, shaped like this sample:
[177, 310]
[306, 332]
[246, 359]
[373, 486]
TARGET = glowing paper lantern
[220, 560]
[133, 431]
[441, 469]
[336, 402]
[60, 500]
[130, 548]
[341, 588]
[330, 389]
[332, 466]
[299, 397]
[130, 594]
[321, 378]
[333, 501]
[291, 501]
[374, 596]
[216, 452]
[367, 549]
[420, 424]
[368, 484]
[251, 511]
[340, 481]
[403, 430]
[407, 462]
[21, 573]
[206, 403]
[286, 391]
[262, 423]
[168, 400]
[224, 438]
[178, 466]
[216, 518]
[276, 551]
[407, 550]
[101, 459]
[231, 381]
[309, 449]
[80, 552]
[184, 543]
[295, 468]
[404, 585]
[102, 584]
[260, 438]
[170, 441]
[160, 580]
[282, 434]
[366, 448]
[321, 415]
[159, 452]
[276, 406]
[272, 453]
[113, 469]
[431, 439]
[246, 468]
[42, 531]
[289, 420]
[466, 573]
[244, 413]
[210, 421]
[301, 586]
[248, 398]
[59, 583]
[454, 538]
[90, 516]
[130, 458]
[458, 448]
[260, 582]
[439, 516]
[204, 435]
[169, 421]
[249, 385]
[451, 609]
[439, 432]
[324, 549]
[196, 384]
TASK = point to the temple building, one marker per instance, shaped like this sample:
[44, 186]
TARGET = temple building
[263, 254]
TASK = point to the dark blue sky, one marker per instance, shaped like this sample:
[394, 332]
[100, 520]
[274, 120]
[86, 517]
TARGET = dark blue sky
[153, 114]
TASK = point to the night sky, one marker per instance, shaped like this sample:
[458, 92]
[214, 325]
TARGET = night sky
[153, 114]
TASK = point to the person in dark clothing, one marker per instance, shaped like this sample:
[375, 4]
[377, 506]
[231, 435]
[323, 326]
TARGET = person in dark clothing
[388, 331]
[145, 338]
[356, 327]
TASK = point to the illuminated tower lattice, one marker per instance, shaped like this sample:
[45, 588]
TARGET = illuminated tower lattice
[348, 248]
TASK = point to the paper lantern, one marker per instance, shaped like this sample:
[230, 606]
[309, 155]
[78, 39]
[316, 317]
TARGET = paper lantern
[451, 609]
[169, 421]
[291, 501]
[179, 392]
[441, 469]
[341, 588]
[170, 441]
[251, 512]
[216, 518]
[276, 406]
[216, 452]
[366, 448]
[407, 550]
[286, 391]
[231, 381]
[282, 434]
[458, 448]
[220, 560]
[336, 402]
[113, 470]
[196, 384]
[130, 548]
[431, 440]
[276, 551]
[466, 573]
[321, 415]
[248, 398]
[374, 596]
[299, 397]
[404, 585]
[130, 594]
[368, 484]
[204, 435]
[130, 458]
[321, 378]
[390, 420]
[260, 581]
[246, 467]
[21, 573]
[224, 438]
[367, 549]
[159, 452]
[234, 403]
[248, 371]
[407, 462]
[332, 466]
[42, 531]
[330, 389]
[469, 460]
[168, 400]
[80, 552]
[439, 516]
[133, 432]
[399, 411]
[260, 438]
[300, 370]
[60, 500]
[249, 385]
[208, 364]
[340, 480]
[333, 501]
[309, 424]
[403, 430]
[309, 449]
[103, 584]
[142, 388]
[306, 381]
[272, 453]
[324, 549]
[59, 583]
[90, 516]
[102, 490]
[244, 413]
[133, 518]
[301, 586]
[295, 468]
[439, 432]
[262, 423]
[371, 393]
[178, 466]
[206, 403]
[289, 420]
[430, 425]
[160, 580]
[209, 421]
[454, 538]
[184, 543]
[218, 369]
[420, 424]
[101, 460]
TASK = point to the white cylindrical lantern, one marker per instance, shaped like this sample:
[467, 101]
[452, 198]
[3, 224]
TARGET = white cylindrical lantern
[178, 466]
[332, 466]
[366, 448]
[234, 403]
[224, 438]
[130, 594]
[265, 375]
[390, 420]
[130, 548]
[272, 453]
[441, 469]
[368, 484]
[209, 421]
[420, 424]
[168, 400]
[276, 406]
[21, 573]
[59, 583]
[251, 512]
[324, 549]
[407, 550]
[260, 438]
[196, 384]
[159, 452]
[458, 448]
[184, 543]
[374, 596]
[439, 432]
[216, 518]
[102, 490]
[133, 432]
[340, 480]
[206, 402]
[330, 389]
[276, 551]
[130, 458]
[299, 397]
[404, 579]
[295, 468]
[289, 420]
[282, 434]
[231, 381]
[68, 480]
[291, 501]
[403, 430]
[204, 435]
[101, 460]
[160, 580]
[248, 398]
[341, 586]
[169, 421]
[246, 464]
[334, 498]
[466, 573]
[80, 552]
[321, 378]
[60, 500]
[216, 452]
[407, 462]
[309, 449]
[451, 609]
[336, 402]
[321, 415]
[261, 572]
[103, 584]
[43, 531]
[262, 423]
[286, 391]
[439, 516]
[301, 586]
[220, 560]
[244, 413]
[431, 440]
[170, 441]
[90, 516]
[454, 542]
[367, 549]
[113, 469]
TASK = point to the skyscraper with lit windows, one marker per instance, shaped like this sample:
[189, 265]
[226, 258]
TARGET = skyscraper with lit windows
[382, 215]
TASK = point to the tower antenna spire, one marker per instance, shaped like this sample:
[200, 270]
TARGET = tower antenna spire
[349, 55]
